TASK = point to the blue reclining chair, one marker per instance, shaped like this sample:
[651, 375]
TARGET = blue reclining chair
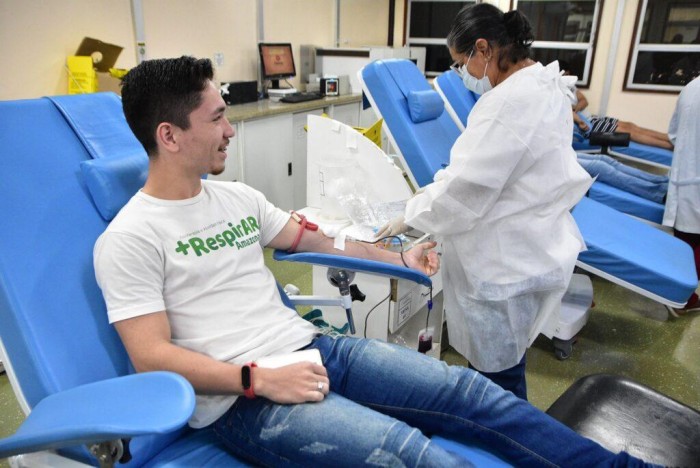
[459, 102]
[632, 151]
[621, 249]
[68, 165]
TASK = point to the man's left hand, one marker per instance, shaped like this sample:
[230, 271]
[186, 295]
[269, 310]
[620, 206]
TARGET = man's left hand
[423, 258]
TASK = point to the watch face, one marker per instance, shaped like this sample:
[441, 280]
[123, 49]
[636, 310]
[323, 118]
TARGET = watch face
[245, 377]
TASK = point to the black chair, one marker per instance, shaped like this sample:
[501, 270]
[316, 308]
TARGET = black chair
[621, 414]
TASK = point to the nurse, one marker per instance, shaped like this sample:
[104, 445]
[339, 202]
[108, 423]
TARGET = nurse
[682, 211]
[502, 206]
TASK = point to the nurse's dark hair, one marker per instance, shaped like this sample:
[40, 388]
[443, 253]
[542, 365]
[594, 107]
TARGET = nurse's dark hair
[510, 32]
[163, 90]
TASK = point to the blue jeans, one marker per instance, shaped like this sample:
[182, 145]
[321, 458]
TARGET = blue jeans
[512, 379]
[630, 179]
[385, 402]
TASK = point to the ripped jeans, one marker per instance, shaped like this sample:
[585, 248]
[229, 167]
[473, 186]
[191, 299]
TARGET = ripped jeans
[385, 402]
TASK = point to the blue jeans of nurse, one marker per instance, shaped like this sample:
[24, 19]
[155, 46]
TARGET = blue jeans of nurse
[385, 401]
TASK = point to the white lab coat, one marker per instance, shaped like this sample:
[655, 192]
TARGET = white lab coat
[683, 199]
[501, 209]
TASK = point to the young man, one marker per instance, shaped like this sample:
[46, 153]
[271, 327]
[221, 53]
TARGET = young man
[182, 271]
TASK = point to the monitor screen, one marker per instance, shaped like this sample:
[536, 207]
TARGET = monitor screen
[277, 61]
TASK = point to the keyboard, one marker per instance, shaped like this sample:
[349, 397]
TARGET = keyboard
[302, 97]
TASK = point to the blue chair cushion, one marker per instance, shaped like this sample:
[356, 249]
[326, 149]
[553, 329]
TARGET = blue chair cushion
[425, 105]
[99, 123]
[642, 152]
[627, 202]
[620, 245]
[201, 447]
[456, 95]
[425, 148]
[477, 454]
[113, 181]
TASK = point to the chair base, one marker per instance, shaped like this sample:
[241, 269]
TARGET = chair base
[575, 310]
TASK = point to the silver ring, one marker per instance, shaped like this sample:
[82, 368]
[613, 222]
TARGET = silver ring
[320, 386]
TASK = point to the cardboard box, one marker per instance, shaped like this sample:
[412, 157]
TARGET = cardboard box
[89, 68]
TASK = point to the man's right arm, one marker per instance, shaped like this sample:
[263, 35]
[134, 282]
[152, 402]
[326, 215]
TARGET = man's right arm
[147, 340]
[580, 123]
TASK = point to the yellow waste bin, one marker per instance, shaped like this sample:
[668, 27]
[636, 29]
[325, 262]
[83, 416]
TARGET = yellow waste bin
[82, 77]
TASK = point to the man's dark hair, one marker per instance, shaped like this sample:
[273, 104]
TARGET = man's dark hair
[163, 90]
[510, 31]
[564, 66]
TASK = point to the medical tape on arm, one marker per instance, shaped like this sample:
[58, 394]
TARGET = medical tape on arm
[339, 241]
[304, 224]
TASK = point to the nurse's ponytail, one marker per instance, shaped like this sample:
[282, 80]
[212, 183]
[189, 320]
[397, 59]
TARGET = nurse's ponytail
[518, 29]
[510, 32]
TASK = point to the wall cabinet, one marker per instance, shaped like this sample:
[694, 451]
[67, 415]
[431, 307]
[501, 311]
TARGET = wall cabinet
[267, 158]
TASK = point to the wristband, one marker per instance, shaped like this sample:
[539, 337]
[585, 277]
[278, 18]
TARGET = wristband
[247, 380]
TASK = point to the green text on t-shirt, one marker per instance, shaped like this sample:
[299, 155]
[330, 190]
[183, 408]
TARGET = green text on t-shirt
[244, 234]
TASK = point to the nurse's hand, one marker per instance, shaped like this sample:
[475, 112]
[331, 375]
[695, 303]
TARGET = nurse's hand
[393, 228]
[423, 258]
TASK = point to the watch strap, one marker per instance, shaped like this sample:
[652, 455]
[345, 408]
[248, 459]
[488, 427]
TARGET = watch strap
[247, 379]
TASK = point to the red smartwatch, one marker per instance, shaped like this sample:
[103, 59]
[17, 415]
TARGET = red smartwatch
[247, 379]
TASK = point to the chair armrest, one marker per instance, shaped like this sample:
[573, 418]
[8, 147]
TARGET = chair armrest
[609, 139]
[122, 407]
[360, 265]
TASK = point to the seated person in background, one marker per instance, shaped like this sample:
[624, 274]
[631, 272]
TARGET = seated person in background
[630, 179]
[182, 272]
[604, 124]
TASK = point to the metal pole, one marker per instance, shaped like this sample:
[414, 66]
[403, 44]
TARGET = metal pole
[612, 56]
[139, 30]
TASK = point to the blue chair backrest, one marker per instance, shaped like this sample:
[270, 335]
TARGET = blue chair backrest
[457, 95]
[52, 314]
[53, 320]
[426, 145]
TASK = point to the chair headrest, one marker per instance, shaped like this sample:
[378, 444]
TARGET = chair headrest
[424, 105]
[112, 181]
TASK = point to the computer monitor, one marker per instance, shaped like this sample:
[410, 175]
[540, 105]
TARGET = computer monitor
[276, 62]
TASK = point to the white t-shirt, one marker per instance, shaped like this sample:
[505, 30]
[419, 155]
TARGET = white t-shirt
[201, 260]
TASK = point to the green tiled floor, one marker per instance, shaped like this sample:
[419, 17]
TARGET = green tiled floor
[626, 334]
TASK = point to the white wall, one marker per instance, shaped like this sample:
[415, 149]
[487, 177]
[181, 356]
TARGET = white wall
[203, 28]
[299, 22]
[37, 35]
[364, 22]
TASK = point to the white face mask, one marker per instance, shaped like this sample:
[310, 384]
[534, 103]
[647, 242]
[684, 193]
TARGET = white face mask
[473, 84]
